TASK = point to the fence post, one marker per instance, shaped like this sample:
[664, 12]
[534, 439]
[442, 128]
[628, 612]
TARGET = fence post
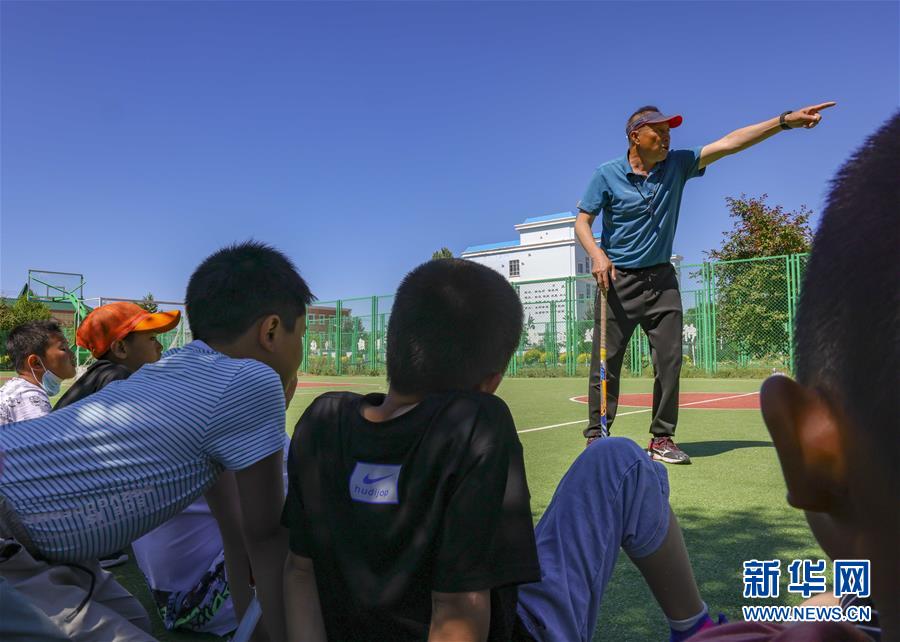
[635, 365]
[571, 313]
[304, 365]
[707, 330]
[373, 335]
[354, 341]
[512, 367]
[338, 327]
[714, 353]
[792, 267]
[551, 350]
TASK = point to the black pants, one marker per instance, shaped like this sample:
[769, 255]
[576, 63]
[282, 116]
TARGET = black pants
[648, 297]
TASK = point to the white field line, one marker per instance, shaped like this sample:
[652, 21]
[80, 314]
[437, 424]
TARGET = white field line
[631, 412]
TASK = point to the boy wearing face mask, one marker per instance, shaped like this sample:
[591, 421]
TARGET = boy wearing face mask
[42, 358]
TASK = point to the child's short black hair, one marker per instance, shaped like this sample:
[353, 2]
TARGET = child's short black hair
[847, 324]
[240, 284]
[454, 323]
[32, 337]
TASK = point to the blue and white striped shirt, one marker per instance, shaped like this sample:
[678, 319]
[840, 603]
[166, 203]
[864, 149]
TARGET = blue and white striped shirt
[88, 479]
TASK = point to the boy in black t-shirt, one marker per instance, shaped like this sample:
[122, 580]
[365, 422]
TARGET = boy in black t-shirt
[409, 512]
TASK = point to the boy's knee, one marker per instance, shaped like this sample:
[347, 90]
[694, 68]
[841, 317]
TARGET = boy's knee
[617, 454]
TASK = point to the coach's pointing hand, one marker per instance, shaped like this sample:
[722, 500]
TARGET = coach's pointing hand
[807, 117]
[603, 269]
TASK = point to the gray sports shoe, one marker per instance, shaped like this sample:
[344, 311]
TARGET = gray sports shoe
[664, 449]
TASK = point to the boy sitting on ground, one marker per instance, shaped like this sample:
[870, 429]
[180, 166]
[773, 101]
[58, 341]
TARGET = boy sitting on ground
[183, 559]
[409, 512]
[121, 337]
[835, 427]
[42, 358]
[88, 479]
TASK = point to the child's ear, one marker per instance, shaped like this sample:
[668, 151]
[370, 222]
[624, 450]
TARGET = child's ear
[491, 383]
[267, 332]
[33, 362]
[118, 349]
[807, 433]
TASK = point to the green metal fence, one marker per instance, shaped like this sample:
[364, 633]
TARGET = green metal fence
[738, 321]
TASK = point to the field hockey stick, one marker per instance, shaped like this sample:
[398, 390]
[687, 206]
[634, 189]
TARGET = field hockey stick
[604, 429]
[249, 621]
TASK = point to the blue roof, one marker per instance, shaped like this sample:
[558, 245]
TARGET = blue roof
[490, 246]
[548, 217]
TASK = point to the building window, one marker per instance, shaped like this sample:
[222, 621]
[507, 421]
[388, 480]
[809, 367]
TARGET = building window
[580, 268]
[587, 263]
[514, 267]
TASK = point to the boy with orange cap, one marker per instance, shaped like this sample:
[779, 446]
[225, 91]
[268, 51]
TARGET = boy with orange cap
[122, 337]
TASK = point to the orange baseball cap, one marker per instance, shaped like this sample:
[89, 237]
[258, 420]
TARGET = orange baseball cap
[115, 321]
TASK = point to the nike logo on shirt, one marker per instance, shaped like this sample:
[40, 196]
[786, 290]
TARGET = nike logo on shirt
[368, 480]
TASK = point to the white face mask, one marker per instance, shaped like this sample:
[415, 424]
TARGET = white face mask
[49, 382]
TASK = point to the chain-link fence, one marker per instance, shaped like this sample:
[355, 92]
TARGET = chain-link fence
[738, 321]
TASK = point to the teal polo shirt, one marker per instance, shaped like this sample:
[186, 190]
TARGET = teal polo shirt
[640, 213]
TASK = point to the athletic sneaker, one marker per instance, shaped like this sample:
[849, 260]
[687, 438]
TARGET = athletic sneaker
[594, 438]
[702, 625]
[116, 559]
[664, 449]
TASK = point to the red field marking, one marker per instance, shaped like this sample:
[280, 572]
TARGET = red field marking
[712, 400]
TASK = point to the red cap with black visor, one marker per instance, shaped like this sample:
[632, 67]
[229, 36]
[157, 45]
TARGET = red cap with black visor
[652, 117]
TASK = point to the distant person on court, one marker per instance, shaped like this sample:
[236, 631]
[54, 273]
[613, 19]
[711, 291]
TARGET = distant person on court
[835, 427]
[409, 513]
[121, 337]
[42, 358]
[89, 479]
[639, 197]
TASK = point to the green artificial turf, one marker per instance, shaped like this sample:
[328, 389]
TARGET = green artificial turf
[730, 501]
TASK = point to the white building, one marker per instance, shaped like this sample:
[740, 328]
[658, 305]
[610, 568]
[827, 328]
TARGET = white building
[546, 249]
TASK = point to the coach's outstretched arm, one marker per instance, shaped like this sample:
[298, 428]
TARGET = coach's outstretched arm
[741, 139]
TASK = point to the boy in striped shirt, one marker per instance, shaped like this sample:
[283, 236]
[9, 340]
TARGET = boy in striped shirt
[206, 419]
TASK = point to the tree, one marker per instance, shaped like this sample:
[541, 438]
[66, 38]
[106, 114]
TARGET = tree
[20, 312]
[442, 253]
[751, 296]
[762, 230]
[149, 303]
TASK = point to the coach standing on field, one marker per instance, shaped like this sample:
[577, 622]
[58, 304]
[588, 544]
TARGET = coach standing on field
[640, 196]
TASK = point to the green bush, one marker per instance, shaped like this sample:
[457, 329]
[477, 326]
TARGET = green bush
[320, 366]
[532, 356]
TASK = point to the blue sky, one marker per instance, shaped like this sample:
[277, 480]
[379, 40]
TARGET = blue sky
[359, 138]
